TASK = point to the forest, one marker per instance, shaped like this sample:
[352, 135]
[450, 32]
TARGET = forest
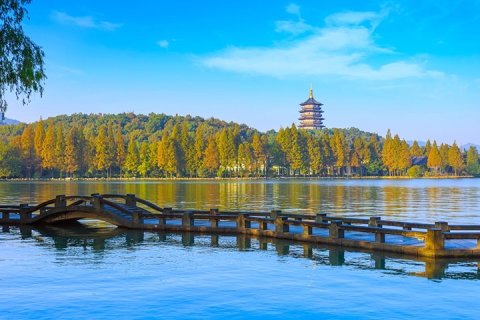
[127, 145]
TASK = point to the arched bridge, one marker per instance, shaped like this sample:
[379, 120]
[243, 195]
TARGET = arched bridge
[119, 210]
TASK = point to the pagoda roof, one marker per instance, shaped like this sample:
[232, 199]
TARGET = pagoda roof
[311, 101]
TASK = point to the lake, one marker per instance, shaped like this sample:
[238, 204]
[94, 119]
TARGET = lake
[97, 271]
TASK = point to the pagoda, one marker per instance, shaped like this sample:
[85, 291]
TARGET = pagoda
[311, 113]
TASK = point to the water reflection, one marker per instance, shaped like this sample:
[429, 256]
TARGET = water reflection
[102, 240]
[453, 200]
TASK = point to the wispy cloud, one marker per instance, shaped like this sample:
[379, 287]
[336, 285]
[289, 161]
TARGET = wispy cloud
[86, 21]
[163, 43]
[342, 47]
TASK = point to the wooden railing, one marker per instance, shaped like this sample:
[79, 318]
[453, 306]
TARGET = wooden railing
[138, 213]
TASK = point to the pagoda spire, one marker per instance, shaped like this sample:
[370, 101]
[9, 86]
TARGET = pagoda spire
[311, 90]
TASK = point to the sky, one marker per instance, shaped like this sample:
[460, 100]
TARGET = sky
[409, 66]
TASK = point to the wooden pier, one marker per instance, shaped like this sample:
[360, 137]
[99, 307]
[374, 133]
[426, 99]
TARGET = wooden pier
[439, 240]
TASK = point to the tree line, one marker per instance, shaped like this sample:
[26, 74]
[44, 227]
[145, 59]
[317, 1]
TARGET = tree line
[161, 146]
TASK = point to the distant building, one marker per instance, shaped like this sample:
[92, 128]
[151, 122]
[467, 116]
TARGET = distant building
[311, 113]
[419, 160]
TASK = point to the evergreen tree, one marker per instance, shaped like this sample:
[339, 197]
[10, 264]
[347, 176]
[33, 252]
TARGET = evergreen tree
[415, 150]
[428, 146]
[120, 154]
[102, 154]
[145, 164]
[443, 150]
[315, 155]
[111, 150]
[71, 151]
[434, 159]
[405, 159]
[48, 147]
[188, 147]
[199, 149]
[455, 159]
[211, 161]
[28, 148]
[132, 160]
[38, 141]
[473, 166]
[60, 150]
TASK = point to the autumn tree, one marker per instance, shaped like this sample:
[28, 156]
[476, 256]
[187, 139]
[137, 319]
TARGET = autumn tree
[455, 158]
[434, 159]
[415, 149]
[211, 161]
[48, 147]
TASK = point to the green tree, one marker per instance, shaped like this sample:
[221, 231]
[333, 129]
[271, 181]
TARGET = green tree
[21, 60]
[10, 163]
[472, 167]
[120, 154]
[72, 161]
[132, 160]
[60, 150]
[28, 148]
[144, 156]
[102, 155]
[199, 149]
[455, 159]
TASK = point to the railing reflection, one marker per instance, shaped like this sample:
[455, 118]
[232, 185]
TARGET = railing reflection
[102, 239]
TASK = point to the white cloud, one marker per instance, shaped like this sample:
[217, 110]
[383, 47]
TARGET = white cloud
[163, 43]
[342, 48]
[86, 22]
[293, 9]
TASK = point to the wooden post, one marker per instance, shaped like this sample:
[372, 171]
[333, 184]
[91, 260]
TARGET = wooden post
[373, 222]
[320, 217]
[136, 220]
[242, 222]
[167, 210]
[187, 219]
[263, 225]
[60, 201]
[275, 213]
[442, 225]
[24, 216]
[214, 221]
[335, 231]
[280, 225]
[96, 201]
[307, 230]
[130, 200]
[5, 215]
[434, 240]
[379, 237]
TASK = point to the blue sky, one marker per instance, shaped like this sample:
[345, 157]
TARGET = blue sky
[411, 66]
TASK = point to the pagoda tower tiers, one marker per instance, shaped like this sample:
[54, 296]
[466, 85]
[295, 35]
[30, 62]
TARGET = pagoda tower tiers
[311, 113]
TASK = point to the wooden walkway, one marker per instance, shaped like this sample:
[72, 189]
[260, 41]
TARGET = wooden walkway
[439, 240]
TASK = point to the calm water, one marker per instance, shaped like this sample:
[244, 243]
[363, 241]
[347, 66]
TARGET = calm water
[97, 271]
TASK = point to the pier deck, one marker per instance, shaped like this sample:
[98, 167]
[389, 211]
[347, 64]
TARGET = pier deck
[439, 240]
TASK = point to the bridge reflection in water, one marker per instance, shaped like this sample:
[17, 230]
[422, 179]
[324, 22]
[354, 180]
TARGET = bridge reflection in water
[106, 238]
